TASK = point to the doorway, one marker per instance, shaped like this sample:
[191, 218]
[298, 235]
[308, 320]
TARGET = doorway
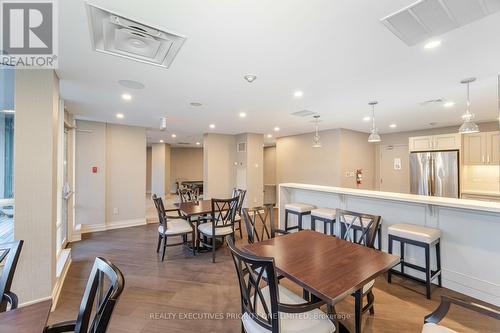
[394, 169]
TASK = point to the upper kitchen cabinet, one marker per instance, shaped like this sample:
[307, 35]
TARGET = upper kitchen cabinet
[435, 142]
[481, 148]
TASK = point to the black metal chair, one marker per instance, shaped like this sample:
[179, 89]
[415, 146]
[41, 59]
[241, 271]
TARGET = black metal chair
[268, 307]
[259, 222]
[188, 194]
[431, 321]
[9, 253]
[361, 229]
[177, 226]
[219, 224]
[104, 287]
[237, 218]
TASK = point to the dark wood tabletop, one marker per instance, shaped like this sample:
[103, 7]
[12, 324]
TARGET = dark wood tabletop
[326, 266]
[195, 208]
[28, 319]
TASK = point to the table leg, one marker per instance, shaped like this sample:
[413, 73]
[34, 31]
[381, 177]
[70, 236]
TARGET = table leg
[357, 311]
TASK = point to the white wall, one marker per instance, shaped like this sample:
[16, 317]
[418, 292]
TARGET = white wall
[185, 164]
[219, 171]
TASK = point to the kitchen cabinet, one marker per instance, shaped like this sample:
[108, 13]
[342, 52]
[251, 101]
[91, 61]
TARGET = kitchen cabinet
[435, 142]
[481, 148]
[489, 198]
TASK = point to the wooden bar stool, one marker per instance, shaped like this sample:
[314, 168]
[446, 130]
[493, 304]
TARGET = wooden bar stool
[299, 209]
[325, 215]
[420, 236]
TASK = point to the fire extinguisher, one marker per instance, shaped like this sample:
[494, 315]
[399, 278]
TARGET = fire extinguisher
[359, 176]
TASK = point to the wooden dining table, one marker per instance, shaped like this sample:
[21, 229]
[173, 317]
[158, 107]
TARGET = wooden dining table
[327, 267]
[195, 208]
[28, 319]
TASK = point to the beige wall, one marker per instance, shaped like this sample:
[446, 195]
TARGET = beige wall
[148, 169]
[160, 168]
[219, 171]
[356, 153]
[35, 169]
[185, 164]
[116, 192]
[251, 168]
[270, 165]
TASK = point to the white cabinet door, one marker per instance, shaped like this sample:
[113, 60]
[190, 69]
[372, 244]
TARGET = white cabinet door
[492, 148]
[421, 143]
[447, 142]
[474, 149]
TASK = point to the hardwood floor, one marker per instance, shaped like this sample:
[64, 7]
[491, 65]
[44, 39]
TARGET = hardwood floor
[190, 294]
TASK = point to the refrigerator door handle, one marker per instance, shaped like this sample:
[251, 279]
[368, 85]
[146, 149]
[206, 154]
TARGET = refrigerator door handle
[432, 168]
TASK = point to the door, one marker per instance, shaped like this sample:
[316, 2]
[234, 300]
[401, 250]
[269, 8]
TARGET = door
[394, 169]
[474, 148]
[444, 175]
[420, 172]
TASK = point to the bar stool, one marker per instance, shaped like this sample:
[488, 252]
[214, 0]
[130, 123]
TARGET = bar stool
[299, 209]
[326, 215]
[420, 236]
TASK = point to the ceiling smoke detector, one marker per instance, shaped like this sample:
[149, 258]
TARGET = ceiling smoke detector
[250, 78]
[123, 37]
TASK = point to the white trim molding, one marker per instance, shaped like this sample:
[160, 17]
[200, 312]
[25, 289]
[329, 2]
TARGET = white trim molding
[63, 262]
[88, 228]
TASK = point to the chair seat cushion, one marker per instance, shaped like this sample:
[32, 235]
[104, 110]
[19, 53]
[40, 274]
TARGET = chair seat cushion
[414, 232]
[206, 229]
[325, 213]
[299, 207]
[313, 321]
[174, 227]
[434, 328]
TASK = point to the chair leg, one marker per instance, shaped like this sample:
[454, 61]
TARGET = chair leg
[286, 220]
[164, 248]
[325, 224]
[193, 242]
[239, 227]
[438, 263]
[357, 310]
[402, 252]
[331, 227]
[306, 295]
[213, 249]
[389, 274]
[159, 243]
[300, 222]
[313, 223]
[371, 300]
[427, 272]
[379, 236]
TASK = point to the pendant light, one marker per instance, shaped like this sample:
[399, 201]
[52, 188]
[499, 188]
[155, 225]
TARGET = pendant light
[468, 126]
[374, 136]
[316, 140]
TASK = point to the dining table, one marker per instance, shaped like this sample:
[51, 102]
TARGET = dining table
[327, 267]
[27, 319]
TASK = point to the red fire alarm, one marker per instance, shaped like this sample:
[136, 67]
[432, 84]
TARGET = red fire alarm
[94, 169]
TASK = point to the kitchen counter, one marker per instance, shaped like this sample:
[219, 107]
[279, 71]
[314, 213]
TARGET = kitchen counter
[485, 193]
[470, 250]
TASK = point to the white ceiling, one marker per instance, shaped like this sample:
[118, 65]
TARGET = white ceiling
[336, 52]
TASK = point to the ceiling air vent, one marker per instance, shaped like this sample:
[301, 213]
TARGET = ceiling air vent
[429, 18]
[303, 113]
[116, 35]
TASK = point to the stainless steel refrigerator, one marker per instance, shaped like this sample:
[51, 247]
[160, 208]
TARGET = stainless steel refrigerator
[435, 174]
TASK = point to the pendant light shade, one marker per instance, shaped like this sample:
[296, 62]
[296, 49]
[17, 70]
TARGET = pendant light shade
[468, 126]
[374, 136]
[316, 139]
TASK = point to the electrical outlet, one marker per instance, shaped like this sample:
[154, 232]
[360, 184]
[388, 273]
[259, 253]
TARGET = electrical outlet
[115, 211]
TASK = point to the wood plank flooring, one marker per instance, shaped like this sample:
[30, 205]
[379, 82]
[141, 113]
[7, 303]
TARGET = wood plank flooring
[190, 294]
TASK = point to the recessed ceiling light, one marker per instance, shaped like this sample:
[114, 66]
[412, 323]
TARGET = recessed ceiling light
[126, 97]
[250, 78]
[432, 44]
[298, 94]
[195, 104]
[276, 129]
[393, 125]
[197, 143]
[120, 115]
[212, 126]
[269, 136]
[367, 118]
[131, 84]
[174, 135]
[449, 104]
[243, 114]
[161, 141]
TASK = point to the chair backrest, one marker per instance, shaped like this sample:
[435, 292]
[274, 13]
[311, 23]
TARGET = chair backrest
[162, 216]
[104, 287]
[259, 222]
[9, 254]
[188, 194]
[224, 212]
[254, 274]
[237, 192]
[357, 227]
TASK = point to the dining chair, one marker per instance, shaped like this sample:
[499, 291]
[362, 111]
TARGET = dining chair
[104, 287]
[259, 222]
[267, 306]
[176, 226]
[241, 199]
[188, 194]
[360, 229]
[431, 321]
[9, 254]
[219, 224]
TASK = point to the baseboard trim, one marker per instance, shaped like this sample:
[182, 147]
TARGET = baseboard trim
[48, 298]
[89, 228]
